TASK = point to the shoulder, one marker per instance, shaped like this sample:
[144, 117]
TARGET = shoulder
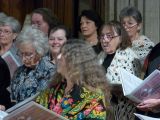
[128, 52]
[143, 41]
[46, 64]
[2, 62]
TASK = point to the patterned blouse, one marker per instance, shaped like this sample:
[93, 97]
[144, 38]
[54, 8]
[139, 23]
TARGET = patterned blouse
[77, 104]
[125, 59]
[142, 47]
[27, 82]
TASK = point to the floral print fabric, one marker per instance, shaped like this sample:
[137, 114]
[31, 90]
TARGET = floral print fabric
[77, 104]
[27, 82]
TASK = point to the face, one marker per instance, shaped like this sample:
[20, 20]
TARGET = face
[6, 35]
[87, 26]
[131, 26]
[38, 21]
[61, 64]
[29, 56]
[57, 40]
[109, 40]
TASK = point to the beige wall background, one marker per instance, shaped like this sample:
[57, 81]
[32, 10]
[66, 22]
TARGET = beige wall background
[150, 10]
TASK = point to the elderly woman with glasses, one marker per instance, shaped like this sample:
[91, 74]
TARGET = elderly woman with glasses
[35, 72]
[117, 53]
[9, 29]
[131, 19]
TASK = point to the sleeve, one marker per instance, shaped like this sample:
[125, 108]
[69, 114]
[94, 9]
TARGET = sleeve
[4, 74]
[45, 72]
[4, 84]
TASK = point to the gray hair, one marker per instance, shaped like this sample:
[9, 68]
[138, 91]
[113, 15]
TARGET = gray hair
[12, 22]
[34, 36]
[2, 15]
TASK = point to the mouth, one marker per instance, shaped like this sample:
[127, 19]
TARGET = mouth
[55, 46]
[84, 30]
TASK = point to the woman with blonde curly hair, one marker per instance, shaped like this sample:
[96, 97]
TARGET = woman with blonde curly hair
[81, 91]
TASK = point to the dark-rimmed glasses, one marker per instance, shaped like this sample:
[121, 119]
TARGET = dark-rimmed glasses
[109, 36]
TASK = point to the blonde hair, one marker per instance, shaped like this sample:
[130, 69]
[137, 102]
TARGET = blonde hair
[83, 67]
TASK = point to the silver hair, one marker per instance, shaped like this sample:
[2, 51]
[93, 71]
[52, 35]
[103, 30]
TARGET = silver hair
[2, 15]
[12, 22]
[34, 36]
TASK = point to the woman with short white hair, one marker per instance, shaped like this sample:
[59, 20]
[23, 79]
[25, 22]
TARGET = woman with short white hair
[35, 72]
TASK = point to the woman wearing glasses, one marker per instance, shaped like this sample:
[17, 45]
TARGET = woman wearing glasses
[9, 29]
[35, 72]
[131, 19]
[117, 53]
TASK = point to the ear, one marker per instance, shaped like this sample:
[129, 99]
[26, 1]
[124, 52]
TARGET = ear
[139, 26]
[14, 35]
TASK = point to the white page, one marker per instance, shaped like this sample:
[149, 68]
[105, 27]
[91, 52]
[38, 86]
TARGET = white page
[129, 81]
[33, 111]
[150, 88]
[2, 114]
[22, 103]
[143, 117]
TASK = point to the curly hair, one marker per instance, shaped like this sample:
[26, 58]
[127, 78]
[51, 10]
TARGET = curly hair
[83, 67]
[36, 37]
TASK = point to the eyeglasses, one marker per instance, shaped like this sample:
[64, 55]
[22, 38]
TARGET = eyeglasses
[109, 36]
[6, 32]
[129, 25]
[27, 56]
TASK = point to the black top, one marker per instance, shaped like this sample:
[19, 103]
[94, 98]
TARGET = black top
[97, 48]
[107, 61]
[4, 84]
[153, 60]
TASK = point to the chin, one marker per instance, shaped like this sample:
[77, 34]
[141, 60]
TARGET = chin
[29, 66]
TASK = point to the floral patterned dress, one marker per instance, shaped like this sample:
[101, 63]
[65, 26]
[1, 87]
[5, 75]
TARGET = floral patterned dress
[77, 104]
[27, 81]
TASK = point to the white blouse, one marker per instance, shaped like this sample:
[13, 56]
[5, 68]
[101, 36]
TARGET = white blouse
[142, 47]
[126, 59]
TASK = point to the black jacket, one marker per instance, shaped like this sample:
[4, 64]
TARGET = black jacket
[4, 84]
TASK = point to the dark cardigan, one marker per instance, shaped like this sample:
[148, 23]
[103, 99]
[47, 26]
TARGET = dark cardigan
[4, 84]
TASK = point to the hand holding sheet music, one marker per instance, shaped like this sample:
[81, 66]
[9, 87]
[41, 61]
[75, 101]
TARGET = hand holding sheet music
[138, 90]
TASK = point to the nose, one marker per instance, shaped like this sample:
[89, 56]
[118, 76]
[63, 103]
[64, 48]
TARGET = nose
[55, 41]
[1, 33]
[125, 26]
[23, 58]
[83, 25]
[106, 39]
